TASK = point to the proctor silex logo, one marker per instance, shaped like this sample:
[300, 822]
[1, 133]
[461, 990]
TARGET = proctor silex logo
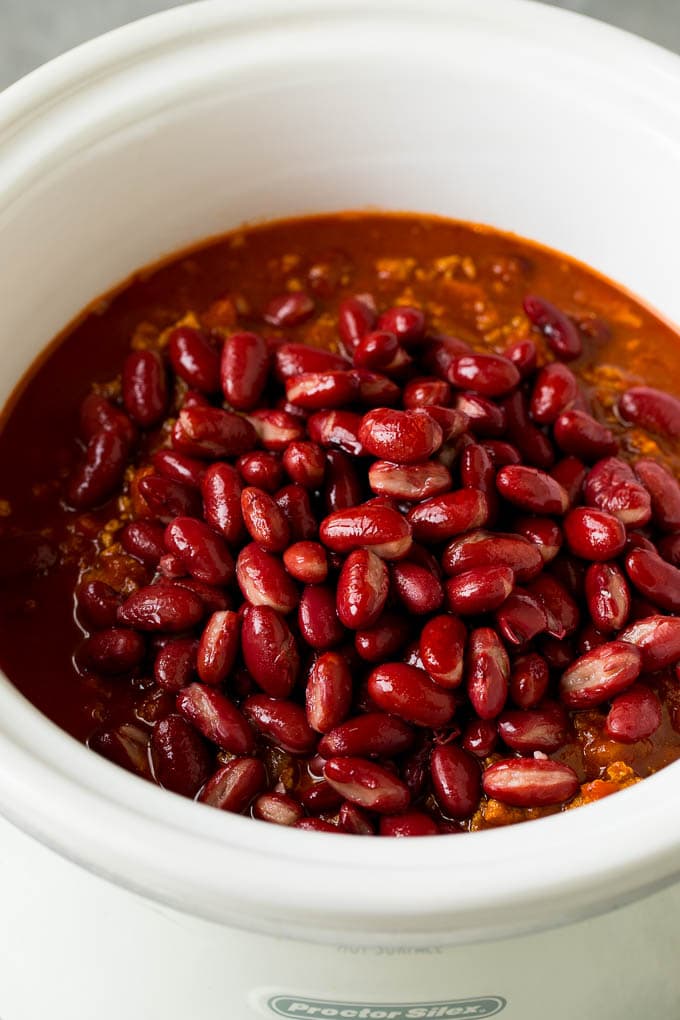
[289, 1006]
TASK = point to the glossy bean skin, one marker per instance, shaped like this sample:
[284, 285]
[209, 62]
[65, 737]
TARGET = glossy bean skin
[491, 375]
[479, 591]
[555, 390]
[529, 679]
[657, 638]
[456, 779]
[441, 517]
[529, 782]
[383, 640]
[209, 432]
[281, 722]
[363, 587]
[634, 715]
[294, 359]
[161, 607]
[413, 482]
[559, 331]
[487, 674]
[484, 549]
[145, 540]
[408, 824]
[318, 618]
[651, 409]
[382, 530]
[243, 370]
[194, 359]
[442, 648]
[306, 562]
[664, 493]
[608, 596]
[329, 692]
[655, 579]
[594, 534]
[531, 490]
[418, 588]
[371, 735]
[180, 756]
[203, 552]
[600, 674]
[367, 784]
[263, 580]
[611, 486]
[99, 472]
[289, 309]
[269, 650]
[540, 729]
[145, 391]
[402, 436]
[410, 694]
[216, 718]
[175, 664]
[264, 520]
[221, 488]
[234, 785]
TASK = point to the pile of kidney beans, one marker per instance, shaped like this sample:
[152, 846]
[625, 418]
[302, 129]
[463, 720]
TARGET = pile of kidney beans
[354, 561]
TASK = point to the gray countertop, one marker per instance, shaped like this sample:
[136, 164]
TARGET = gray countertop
[33, 31]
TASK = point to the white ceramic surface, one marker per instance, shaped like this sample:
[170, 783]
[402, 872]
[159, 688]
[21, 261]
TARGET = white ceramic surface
[189, 123]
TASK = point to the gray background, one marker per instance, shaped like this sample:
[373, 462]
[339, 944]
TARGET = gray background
[33, 31]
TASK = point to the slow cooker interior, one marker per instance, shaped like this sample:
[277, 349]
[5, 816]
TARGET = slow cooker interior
[134, 156]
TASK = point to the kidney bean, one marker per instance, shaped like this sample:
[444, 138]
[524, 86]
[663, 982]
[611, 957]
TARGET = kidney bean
[532, 490]
[540, 729]
[307, 562]
[234, 785]
[98, 604]
[376, 350]
[356, 318]
[305, 464]
[651, 409]
[216, 718]
[558, 653]
[456, 780]
[221, 489]
[561, 611]
[607, 595]
[570, 572]
[441, 517]
[261, 469]
[426, 392]
[544, 533]
[483, 416]
[172, 567]
[269, 650]
[453, 423]
[658, 640]
[487, 673]
[317, 617]
[338, 429]
[112, 651]
[320, 797]
[100, 471]
[529, 679]
[175, 663]
[482, 549]
[534, 446]
[491, 375]
[203, 552]
[411, 823]
[275, 429]
[315, 391]
[600, 674]
[194, 359]
[480, 590]
[265, 521]
[294, 503]
[290, 309]
[244, 369]
[571, 473]
[165, 607]
[594, 534]
[580, 435]
[178, 468]
[382, 641]
[362, 590]
[412, 482]
[442, 646]
[480, 737]
[409, 693]
[656, 579]
[283, 723]
[125, 745]
[561, 334]
[406, 322]
[329, 692]
[210, 432]
[97, 414]
[145, 391]
[501, 454]
[375, 390]
[263, 580]
[634, 715]
[669, 548]
[382, 530]
[368, 785]
[168, 499]
[373, 734]
[664, 492]
[612, 486]
[218, 647]
[555, 390]
[417, 588]
[524, 356]
[316, 825]
[352, 819]
[402, 436]
[279, 808]
[180, 756]
[521, 617]
[214, 599]
[296, 359]
[590, 637]
[530, 782]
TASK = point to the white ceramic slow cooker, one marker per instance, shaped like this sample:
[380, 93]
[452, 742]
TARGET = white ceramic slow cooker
[119, 899]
